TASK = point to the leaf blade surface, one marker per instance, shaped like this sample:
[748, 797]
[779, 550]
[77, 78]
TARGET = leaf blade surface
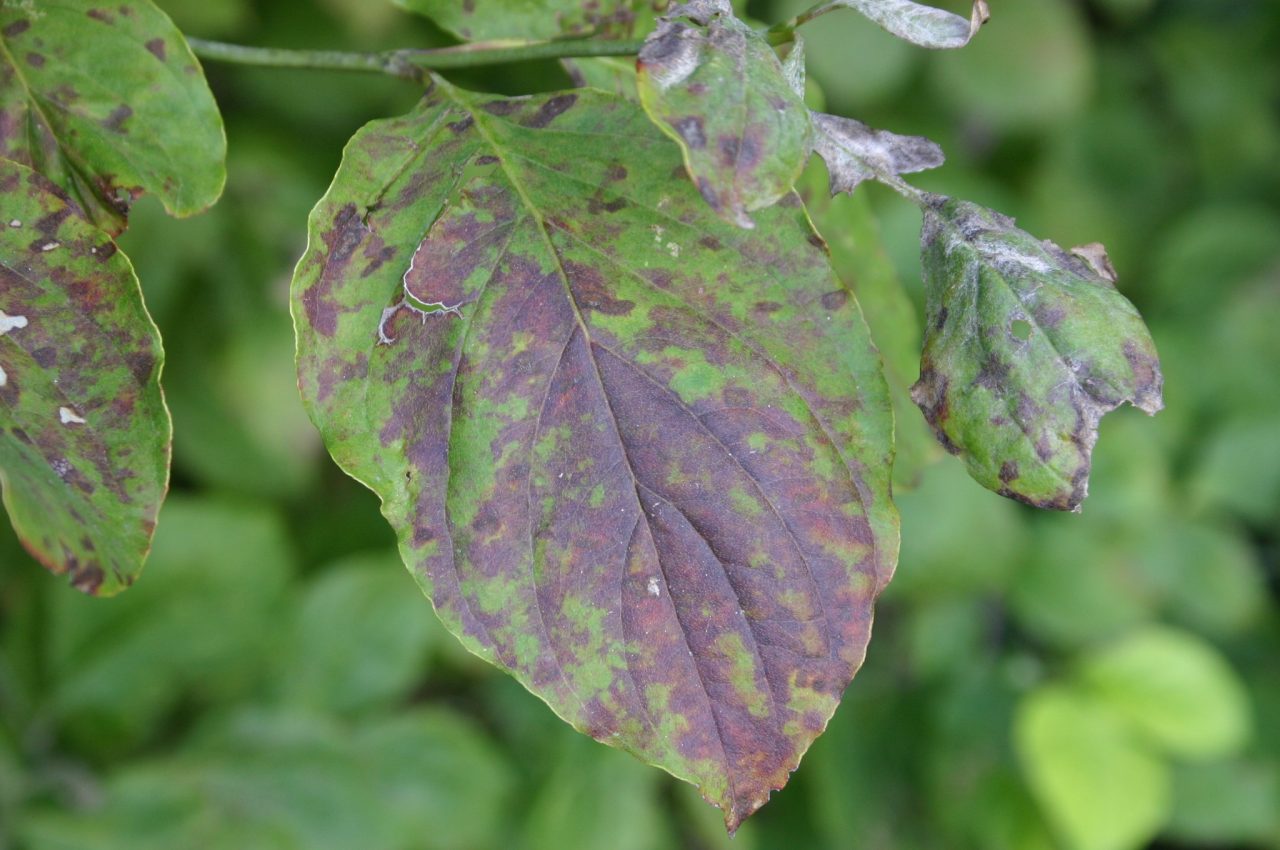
[84, 433]
[610, 466]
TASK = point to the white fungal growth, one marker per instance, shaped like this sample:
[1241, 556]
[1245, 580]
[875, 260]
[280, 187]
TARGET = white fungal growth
[48, 246]
[11, 323]
[16, 223]
[673, 248]
[69, 416]
[4, 377]
[655, 589]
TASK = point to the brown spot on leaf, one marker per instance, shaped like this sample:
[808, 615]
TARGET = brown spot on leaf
[835, 299]
[115, 121]
[551, 110]
[157, 48]
[101, 15]
[17, 28]
[35, 60]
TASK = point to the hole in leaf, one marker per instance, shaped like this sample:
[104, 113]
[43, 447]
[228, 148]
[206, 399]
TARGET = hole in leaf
[1021, 330]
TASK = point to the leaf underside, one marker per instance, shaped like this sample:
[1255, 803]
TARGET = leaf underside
[107, 101]
[716, 87]
[1026, 348]
[635, 456]
[480, 20]
[84, 433]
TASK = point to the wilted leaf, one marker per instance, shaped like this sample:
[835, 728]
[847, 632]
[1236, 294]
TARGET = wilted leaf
[715, 86]
[1026, 348]
[636, 456]
[921, 25]
[1099, 785]
[1174, 688]
[84, 434]
[479, 20]
[855, 152]
[108, 102]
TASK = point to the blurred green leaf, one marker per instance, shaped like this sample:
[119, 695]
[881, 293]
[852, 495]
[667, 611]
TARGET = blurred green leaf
[198, 627]
[421, 781]
[361, 639]
[1175, 689]
[1098, 783]
[1032, 69]
[852, 233]
[1226, 803]
[1239, 470]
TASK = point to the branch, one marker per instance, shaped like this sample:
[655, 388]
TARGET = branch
[410, 64]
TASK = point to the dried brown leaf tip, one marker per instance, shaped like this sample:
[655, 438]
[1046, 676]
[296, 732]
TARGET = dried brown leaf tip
[1027, 346]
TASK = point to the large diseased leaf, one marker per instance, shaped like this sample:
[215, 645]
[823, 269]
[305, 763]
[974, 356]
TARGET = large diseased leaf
[479, 20]
[716, 87]
[635, 455]
[107, 101]
[1026, 348]
[917, 23]
[84, 434]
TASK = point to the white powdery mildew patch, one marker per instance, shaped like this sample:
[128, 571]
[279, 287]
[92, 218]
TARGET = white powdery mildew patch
[654, 588]
[11, 323]
[69, 416]
[4, 377]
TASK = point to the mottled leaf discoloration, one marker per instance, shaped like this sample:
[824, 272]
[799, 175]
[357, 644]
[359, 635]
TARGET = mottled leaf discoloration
[479, 20]
[108, 102]
[644, 463]
[84, 434]
[1026, 348]
[716, 87]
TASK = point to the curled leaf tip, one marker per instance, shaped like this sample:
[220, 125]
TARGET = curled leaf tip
[1027, 347]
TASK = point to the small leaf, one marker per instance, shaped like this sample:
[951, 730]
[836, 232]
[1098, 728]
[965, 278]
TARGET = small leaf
[921, 25]
[715, 86]
[855, 152]
[482, 20]
[1099, 785]
[636, 456]
[1176, 689]
[84, 433]
[108, 102]
[1026, 348]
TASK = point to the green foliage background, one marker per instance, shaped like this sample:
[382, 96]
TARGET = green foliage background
[274, 680]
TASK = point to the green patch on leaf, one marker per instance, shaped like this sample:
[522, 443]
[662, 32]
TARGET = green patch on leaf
[680, 562]
[1026, 348]
[108, 102]
[715, 86]
[84, 433]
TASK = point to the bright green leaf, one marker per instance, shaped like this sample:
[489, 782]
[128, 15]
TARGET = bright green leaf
[84, 433]
[1026, 348]
[1097, 782]
[715, 85]
[108, 102]
[636, 456]
[1175, 688]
